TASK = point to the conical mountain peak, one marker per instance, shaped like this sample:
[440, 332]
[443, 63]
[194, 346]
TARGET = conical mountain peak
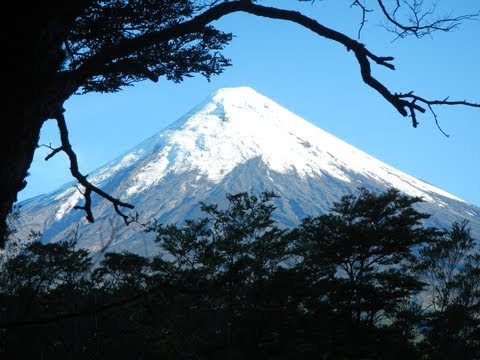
[235, 94]
[237, 140]
[235, 125]
[228, 103]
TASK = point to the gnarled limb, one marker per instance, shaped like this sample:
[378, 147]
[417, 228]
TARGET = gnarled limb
[406, 104]
[82, 179]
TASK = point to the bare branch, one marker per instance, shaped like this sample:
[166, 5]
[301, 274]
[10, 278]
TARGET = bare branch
[420, 21]
[412, 100]
[82, 179]
[54, 151]
[114, 231]
[436, 121]
[364, 15]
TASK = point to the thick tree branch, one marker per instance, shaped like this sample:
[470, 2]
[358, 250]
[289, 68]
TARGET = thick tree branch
[363, 55]
[82, 179]
[98, 64]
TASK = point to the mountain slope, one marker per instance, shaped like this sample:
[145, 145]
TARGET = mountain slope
[236, 140]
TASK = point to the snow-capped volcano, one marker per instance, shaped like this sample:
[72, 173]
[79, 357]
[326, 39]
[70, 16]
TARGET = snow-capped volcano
[235, 125]
[238, 140]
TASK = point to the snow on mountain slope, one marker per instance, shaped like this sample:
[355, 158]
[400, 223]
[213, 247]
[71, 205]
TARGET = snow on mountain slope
[235, 125]
[236, 140]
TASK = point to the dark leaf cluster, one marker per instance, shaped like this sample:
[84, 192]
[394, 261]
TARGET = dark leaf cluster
[104, 45]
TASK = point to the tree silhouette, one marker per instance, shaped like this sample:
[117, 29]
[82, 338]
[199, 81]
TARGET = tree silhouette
[451, 268]
[101, 46]
[359, 255]
[355, 283]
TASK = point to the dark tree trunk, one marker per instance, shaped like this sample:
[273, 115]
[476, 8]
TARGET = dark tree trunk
[20, 141]
[43, 28]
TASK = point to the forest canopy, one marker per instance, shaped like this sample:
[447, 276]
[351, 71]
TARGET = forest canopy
[368, 280]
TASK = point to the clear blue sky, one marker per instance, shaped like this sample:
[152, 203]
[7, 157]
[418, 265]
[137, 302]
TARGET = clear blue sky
[316, 79]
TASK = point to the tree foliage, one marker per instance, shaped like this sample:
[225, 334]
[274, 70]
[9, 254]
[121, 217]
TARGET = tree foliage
[451, 266]
[366, 281]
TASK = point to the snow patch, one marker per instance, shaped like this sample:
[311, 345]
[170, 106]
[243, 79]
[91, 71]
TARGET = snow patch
[67, 204]
[150, 174]
[125, 161]
[471, 213]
